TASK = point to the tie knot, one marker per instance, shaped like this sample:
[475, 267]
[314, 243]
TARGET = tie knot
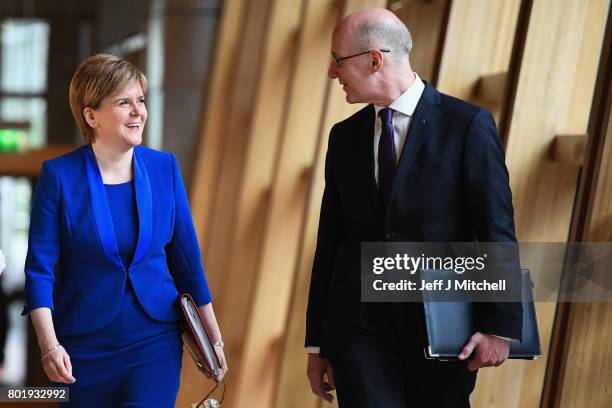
[386, 115]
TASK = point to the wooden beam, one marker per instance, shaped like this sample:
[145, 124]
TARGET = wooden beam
[293, 389]
[218, 166]
[28, 164]
[490, 89]
[247, 209]
[248, 171]
[284, 215]
[23, 125]
[569, 149]
[211, 142]
[427, 21]
[478, 45]
[585, 326]
[553, 96]
[514, 68]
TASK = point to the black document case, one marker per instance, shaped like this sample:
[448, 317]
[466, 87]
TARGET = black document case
[448, 325]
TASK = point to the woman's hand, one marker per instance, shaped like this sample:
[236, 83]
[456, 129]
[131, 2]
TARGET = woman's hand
[57, 366]
[221, 356]
[212, 327]
[55, 359]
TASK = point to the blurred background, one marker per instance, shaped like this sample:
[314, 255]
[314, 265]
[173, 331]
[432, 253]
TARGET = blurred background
[238, 91]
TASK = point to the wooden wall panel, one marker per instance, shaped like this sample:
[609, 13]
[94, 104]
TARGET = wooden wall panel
[478, 44]
[585, 377]
[218, 105]
[600, 223]
[29, 163]
[588, 374]
[259, 177]
[427, 21]
[218, 171]
[263, 144]
[284, 215]
[220, 156]
[293, 388]
[479, 40]
[563, 40]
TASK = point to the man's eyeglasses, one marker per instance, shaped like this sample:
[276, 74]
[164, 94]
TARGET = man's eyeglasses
[338, 60]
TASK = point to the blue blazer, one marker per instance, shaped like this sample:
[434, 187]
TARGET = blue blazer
[73, 265]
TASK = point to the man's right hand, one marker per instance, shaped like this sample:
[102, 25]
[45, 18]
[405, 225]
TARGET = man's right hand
[317, 368]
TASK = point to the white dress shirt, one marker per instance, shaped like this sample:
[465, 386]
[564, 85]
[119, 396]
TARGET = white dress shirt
[403, 109]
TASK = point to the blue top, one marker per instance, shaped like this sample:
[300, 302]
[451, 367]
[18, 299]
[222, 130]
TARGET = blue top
[122, 203]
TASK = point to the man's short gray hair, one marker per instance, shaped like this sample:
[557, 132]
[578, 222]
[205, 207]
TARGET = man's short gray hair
[385, 34]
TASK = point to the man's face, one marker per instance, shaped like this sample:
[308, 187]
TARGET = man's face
[353, 73]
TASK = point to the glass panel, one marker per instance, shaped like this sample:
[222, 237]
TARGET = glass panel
[33, 111]
[15, 196]
[25, 46]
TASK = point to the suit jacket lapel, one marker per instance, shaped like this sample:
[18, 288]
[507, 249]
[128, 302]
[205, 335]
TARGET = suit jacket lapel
[424, 118]
[100, 208]
[144, 205]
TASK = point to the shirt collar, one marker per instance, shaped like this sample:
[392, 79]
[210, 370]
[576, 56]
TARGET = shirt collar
[406, 103]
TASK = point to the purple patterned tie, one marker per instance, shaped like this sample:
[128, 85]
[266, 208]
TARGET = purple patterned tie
[386, 155]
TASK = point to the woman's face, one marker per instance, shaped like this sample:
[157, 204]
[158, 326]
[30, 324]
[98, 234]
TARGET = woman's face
[121, 117]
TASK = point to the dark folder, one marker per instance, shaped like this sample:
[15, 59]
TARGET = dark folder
[450, 324]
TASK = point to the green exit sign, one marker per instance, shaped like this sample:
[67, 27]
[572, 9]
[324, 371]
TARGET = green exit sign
[12, 140]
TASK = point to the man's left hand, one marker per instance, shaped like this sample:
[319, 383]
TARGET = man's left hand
[488, 351]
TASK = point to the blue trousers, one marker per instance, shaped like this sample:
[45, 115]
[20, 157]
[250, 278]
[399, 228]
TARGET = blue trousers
[134, 361]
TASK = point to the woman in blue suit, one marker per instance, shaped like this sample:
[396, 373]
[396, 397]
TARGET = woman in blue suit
[111, 244]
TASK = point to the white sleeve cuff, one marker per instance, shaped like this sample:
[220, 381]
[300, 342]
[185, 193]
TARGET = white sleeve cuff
[313, 350]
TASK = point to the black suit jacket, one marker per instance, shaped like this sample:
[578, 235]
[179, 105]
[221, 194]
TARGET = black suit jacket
[451, 183]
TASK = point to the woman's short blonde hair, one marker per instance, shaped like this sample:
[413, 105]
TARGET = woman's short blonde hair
[96, 78]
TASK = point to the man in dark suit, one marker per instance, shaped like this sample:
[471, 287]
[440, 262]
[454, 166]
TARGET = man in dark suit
[414, 165]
